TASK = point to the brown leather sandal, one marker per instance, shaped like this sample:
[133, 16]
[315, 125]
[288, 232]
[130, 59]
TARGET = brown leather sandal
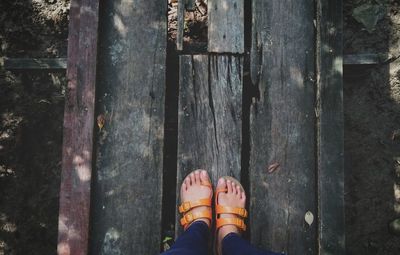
[186, 207]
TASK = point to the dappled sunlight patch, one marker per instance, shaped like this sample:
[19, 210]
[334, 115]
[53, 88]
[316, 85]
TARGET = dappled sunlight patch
[6, 171]
[120, 26]
[52, 11]
[6, 226]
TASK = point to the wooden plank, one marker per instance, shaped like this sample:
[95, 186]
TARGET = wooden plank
[180, 24]
[35, 63]
[73, 230]
[127, 188]
[209, 116]
[282, 124]
[330, 127]
[226, 26]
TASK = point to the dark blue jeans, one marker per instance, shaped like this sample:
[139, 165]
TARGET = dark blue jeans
[194, 241]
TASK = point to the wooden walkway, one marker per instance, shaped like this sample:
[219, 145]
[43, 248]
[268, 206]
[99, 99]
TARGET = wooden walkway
[267, 109]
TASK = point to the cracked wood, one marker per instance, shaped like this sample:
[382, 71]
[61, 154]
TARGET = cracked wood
[282, 125]
[210, 116]
[127, 191]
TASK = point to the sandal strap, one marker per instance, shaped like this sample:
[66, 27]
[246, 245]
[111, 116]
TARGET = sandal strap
[190, 217]
[242, 212]
[231, 221]
[188, 205]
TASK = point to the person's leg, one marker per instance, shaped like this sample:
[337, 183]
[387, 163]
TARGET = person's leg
[229, 241]
[194, 241]
[234, 244]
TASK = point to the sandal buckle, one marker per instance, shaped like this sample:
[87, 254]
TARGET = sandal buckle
[243, 212]
[188, 217]
[184, 207]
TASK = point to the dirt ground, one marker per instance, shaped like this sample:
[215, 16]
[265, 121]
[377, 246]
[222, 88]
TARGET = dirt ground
[31, 115]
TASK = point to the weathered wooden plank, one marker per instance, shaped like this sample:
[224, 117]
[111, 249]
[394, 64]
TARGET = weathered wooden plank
[35, 63]
[209, 116]
[73, 230]
[330, 127]
[282, 125]
[226, 26]
[127, 189]
[180, 26]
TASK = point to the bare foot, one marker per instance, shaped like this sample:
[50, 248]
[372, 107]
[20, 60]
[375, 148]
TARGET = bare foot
[192, 190]
[233, 197]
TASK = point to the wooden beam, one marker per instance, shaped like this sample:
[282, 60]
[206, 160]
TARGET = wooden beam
[35, 63]
[226, 26]
[330, 138]
[282, 125]
[73, 229]
[209, 116]
[127, 188]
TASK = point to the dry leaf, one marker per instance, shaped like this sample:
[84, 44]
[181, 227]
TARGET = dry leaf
[309, 218]
[101, 120]
[273, 167]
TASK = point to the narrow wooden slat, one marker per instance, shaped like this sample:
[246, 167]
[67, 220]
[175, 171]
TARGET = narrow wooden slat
[180, 24]
[226, 26]
[127, 188]
[73, 231]
[210, 113]
[330, 128]
[282, 125]
[35, 63]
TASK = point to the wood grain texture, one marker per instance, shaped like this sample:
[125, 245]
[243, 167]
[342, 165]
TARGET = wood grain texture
[209, 116]
[282, 125]
[127, 188]
[330, 128]
[226, 26]
[73, 229]
[180, 24]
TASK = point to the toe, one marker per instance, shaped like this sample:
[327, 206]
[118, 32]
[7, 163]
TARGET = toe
[243, 196]
[239, 189]
[204, 176]
[221, 183]
[187, 181]
[183, 187]
[197, 176]
[192, 178]
[234, 188]
[229, 186]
